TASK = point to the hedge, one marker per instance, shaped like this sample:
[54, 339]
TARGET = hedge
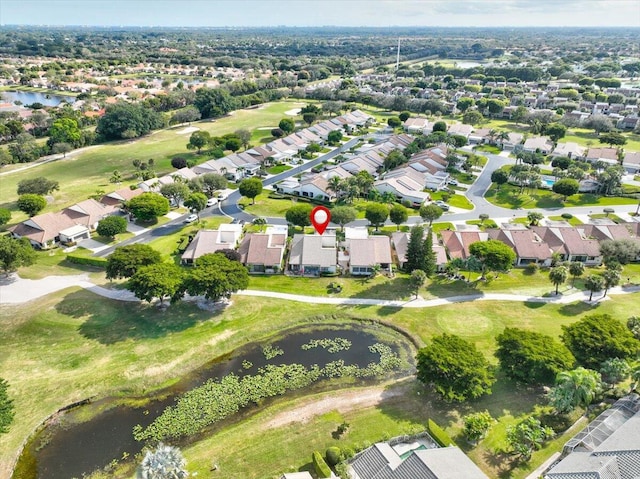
[320, 466]
[99, 262]
[333, 455]
[439, 435]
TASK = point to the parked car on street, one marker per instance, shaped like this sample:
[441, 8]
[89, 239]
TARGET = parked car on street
[212, 201]
[442, 205]
[191, 218]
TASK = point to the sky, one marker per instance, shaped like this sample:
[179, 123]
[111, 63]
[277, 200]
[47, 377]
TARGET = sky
[372, 13]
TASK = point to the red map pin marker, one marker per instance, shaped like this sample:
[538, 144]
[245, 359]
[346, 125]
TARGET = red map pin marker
[320, 217]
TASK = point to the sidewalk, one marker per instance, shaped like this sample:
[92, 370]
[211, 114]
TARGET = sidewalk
[15, 290]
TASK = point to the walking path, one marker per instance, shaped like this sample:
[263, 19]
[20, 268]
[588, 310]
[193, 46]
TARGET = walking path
[16, 290]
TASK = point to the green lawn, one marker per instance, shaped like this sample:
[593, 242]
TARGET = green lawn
[274, 170]
[488, 148]
[266, 206]
[76, 345]
[457, 201]
[508, 197]
[573, 221]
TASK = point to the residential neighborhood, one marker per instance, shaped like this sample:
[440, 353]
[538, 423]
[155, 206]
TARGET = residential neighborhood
[247, 241]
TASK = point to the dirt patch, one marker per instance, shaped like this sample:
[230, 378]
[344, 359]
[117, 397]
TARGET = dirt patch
[342, 402]
[187, 130]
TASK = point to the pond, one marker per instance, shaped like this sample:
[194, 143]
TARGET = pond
[29, 97]
[92, 436]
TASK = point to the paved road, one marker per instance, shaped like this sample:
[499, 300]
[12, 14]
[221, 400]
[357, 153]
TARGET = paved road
[475, 194]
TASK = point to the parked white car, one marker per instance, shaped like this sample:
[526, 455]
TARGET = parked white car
[191, 218]
[212, 201]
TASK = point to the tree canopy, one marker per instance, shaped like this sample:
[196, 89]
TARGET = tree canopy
[160, 280]
[430, 212]
[37, 186]
[111, 226]
[216, 277]
[622, 251]
[398, 215]
[126, 260]
[578, 387]
[341, 215]
[15, 253]
[599, 337]
[128, 120]
[214, 102]
[377, 214]
[148, 206]
[31, 204]
[455, 368]
[250, 187]
[494, 255]
[531, 357]
[299, 215]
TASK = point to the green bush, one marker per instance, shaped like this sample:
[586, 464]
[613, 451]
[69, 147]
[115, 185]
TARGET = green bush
[566, 216]
[333, 455]
[99, 262]
[321, 467]
[439, 435]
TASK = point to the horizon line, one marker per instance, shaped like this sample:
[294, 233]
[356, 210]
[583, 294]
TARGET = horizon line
[318, 26]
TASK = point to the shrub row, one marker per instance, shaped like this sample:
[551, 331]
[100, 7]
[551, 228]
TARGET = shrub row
[320, 466]
[439, 435]
[99, 262]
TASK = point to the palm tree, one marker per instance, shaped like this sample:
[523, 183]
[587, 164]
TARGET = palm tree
[576, 268]
[575, 388]
[558, 275]
[611, 278]
[388, 197]
[166, 462]
[335, 185]
[594, 283]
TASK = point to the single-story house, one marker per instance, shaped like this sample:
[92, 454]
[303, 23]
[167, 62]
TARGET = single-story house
[631, 161]
[570, 244]
[416, 125]
[404, 188]
[457, 242]
[460, 129]
[513, 140]
[263, 252]
[366, 253]
[118, 197]
[43, 231]
[383, 461]
[479, 136]
[542, 144]
[570, 150]
[526, 245]
[312, 255]
[608, 155]
[210, 241]
[400, 242]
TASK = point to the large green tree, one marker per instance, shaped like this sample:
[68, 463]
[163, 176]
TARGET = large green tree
[126, 260]
[6, 407]
[176, 192]
[417, 279]
[430, 212]
[599, 337]
[531, 357]
[15, 253]
[287, 125]
[148, 206]
[65, 130]
[494, 255]
[376, 214]
[212, 182]
[250, 187]
[499, 177]
[398, 214]
[415, 249]
[299, 215]
[31, 204]
[25, 149]
[216, 277]
[455, 368]
[198, 140]
[111, 226]
[196, 202]
[161, 280]
[37, 186]
[128, 120]
[594, 283]
[214, 102]
[429, 265]
[566, 187]
[341, 215]
[622, 251]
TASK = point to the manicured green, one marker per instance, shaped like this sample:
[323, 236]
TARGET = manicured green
[508, 197]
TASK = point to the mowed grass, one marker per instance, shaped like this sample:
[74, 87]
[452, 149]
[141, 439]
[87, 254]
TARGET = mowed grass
[81, 175]
[73, 345]
[508, 196]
